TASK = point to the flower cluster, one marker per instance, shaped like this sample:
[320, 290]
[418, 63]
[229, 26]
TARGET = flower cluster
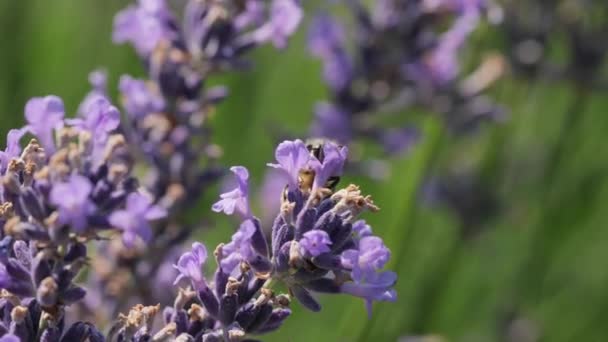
[316, 244]
[69, 185]
[399, 58]
[167, 118]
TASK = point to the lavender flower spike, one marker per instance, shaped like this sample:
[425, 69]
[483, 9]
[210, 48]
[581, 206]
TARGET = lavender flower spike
[133, 220]
[236, 200]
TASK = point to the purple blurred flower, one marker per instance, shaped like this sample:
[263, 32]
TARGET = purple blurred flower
[9, 338]
[138, 99]
[143, 25]
[44, 115]
[72, 201]
[190, 266]
[361, 229]
[99, 81]
[13, 148]
[237, 199]
[332, 164]
[100, 118]
[331, 122]
[326, 41]
[134, 219]
[315, 242]
[292, 157]
[239, 249]
[284, 20]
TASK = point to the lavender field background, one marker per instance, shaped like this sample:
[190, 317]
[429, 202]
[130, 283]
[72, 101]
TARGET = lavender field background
[524, 259]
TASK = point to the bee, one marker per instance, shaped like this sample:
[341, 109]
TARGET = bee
[315, 147]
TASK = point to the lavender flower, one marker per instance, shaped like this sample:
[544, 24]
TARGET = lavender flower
[236, 200]
[53, 199]
[72, 201]
[144, 25]
[190, 265]
[133, 220]
[292, 157]
[168, 123]
[44, 115]
[315, 243]
[398, 58]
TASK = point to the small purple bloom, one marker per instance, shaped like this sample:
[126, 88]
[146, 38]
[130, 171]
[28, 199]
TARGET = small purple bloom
[100, 118]
[376, 287]
[139, 100]
[44, 115]
[143, 25]
[190, 266]
[292, 157]
[315, 242]
[239, 249]
[134, 219]
[332, 164]
[72, 201]
[325, 35]
[364, 263]
[99, 81]
[13, 148]
[371, 256]
[237, 199]
[285, 16]
[10, 338]
[361, 229]
[326, 41]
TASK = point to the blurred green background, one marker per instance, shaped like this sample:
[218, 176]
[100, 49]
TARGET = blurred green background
[537, 267]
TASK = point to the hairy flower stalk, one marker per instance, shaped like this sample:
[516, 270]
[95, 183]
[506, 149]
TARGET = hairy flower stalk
[167, 122]
[398, 59]
[66, 187]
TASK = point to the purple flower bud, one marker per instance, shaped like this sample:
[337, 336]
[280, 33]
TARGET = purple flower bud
[285, 16]
[99, 81]
[44, 115]
[292, 157]
[143, 25]
[138, 98]
[13, 149]
[361, 229]
[315, 242]
[134, 219]
[190, 266]
[100, 118]
[72, 201]
[239, 249]
[236, 200]
[326, 41]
